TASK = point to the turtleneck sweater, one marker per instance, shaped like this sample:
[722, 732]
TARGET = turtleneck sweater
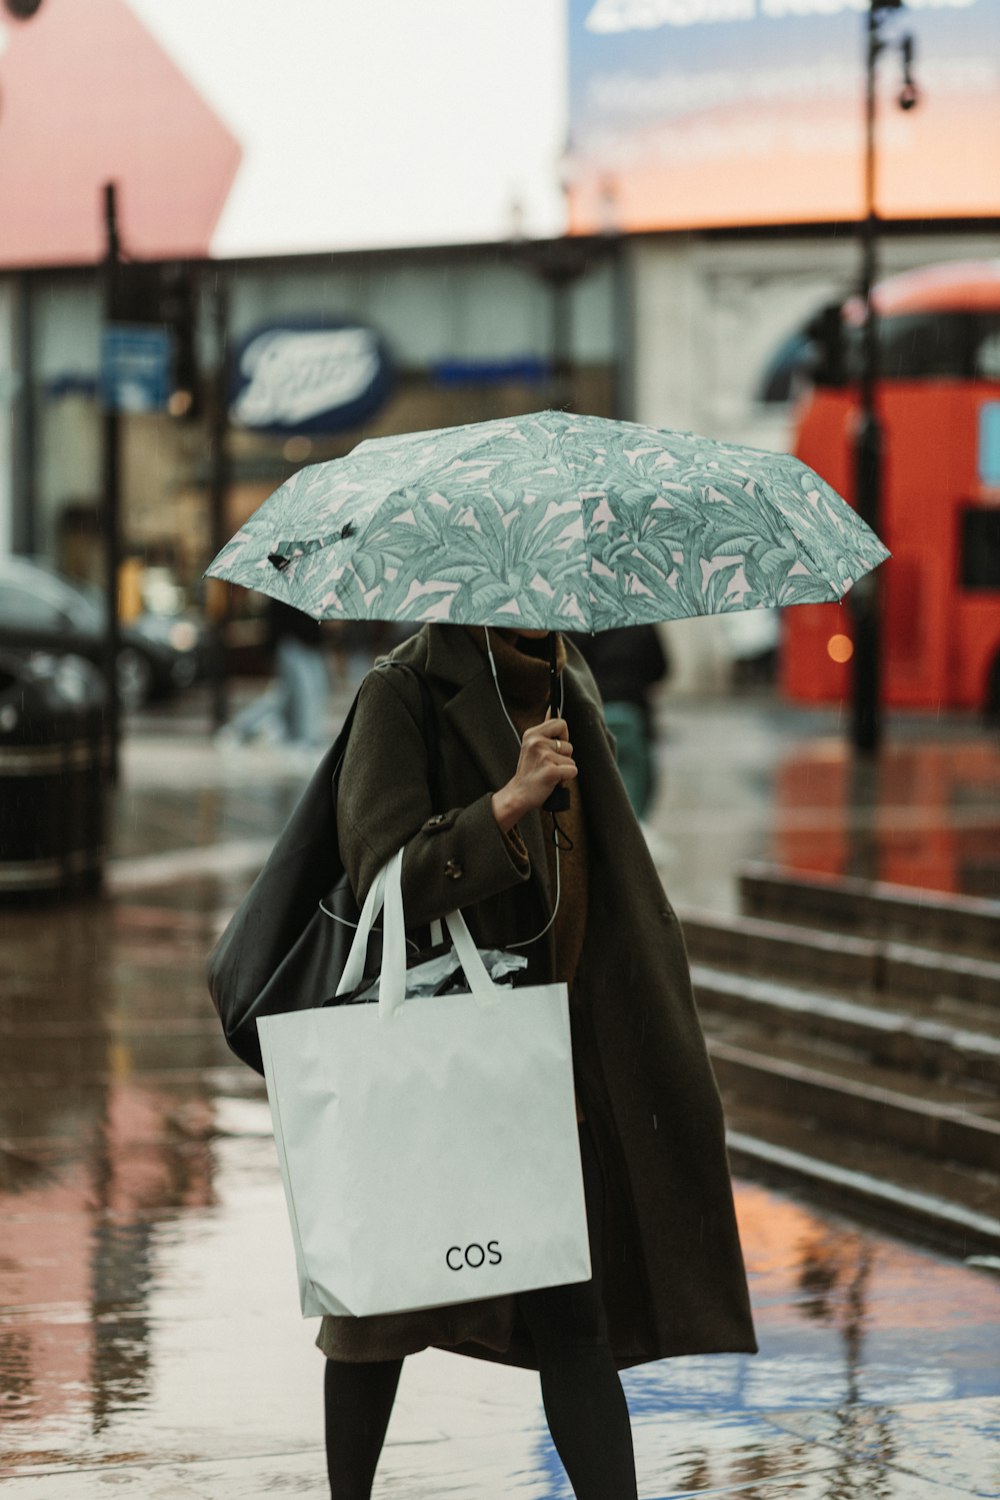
[524, 680]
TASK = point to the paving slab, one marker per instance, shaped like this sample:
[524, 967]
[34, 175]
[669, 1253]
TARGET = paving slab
[182, 1366]
[150, 1340]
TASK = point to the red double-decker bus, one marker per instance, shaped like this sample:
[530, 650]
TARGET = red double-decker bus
[939, 402]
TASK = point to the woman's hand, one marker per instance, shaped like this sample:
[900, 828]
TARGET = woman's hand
[546, 761]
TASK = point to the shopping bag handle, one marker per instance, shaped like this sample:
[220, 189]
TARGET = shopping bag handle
[386, 895]
[484, 991]
[354, 968]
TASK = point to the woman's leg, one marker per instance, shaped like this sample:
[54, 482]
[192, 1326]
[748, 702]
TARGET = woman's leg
[581, 1392]
[357, 1400]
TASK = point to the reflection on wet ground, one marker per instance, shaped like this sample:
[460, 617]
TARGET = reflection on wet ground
[150, 1341]
[738, 780]
[761, 781]
[151, 1330]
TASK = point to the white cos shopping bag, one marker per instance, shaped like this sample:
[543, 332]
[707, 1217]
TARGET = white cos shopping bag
[428, 1146]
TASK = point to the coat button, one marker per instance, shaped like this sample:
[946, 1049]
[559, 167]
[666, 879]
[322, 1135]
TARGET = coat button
[436, 821]
[453, 870]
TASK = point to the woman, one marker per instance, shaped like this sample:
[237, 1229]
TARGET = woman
[668, 1274]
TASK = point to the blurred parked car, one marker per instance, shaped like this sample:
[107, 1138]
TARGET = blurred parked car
[43, 612]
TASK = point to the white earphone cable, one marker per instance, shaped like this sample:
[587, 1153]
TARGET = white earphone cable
[526, 942]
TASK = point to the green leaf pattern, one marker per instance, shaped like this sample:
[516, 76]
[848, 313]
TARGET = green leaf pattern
[551, 521]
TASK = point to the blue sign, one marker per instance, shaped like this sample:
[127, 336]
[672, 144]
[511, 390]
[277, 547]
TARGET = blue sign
[309, 378]
[527, 370]
[136, 367]
[989, 444]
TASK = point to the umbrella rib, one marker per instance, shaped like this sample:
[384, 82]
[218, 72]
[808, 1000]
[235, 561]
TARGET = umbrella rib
[802, 543]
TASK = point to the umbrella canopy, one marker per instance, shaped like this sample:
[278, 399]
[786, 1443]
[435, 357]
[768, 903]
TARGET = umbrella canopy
[552, 522]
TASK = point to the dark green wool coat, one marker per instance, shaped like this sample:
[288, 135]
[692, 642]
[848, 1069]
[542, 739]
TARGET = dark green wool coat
[673, 1273]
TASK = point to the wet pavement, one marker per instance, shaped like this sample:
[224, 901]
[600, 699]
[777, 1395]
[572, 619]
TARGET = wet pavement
[150, 1341]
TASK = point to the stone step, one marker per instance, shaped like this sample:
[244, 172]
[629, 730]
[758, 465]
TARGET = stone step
[947, 979]
[935, 919]
[951, 1207]
[784, 950]
[918, 1041]
[880, 1104]
[904, 972]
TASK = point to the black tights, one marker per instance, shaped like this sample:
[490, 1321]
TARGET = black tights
[581, 1392]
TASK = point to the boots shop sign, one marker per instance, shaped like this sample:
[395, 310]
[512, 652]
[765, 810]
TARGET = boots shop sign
[309, 378]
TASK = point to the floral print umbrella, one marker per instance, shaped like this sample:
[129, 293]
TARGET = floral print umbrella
[553, 522]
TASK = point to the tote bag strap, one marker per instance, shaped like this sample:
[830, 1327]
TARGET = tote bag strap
[485, 992]
[386, 897]
[392, 979]
[354, 968]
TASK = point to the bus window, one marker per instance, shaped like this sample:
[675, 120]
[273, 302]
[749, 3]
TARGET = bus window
[925, 346]
[912, 346]
[980, 548]
[987, 358]
[931, 346]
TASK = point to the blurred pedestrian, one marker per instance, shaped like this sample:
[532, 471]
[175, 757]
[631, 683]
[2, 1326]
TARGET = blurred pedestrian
[579, 895]
[292, 710]
[298, 649]
[627, 664]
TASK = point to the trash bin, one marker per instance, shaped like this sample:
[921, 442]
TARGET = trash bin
[53, 764]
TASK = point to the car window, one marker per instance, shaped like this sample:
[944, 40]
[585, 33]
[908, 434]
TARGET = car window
[60, 595]
[20, 608]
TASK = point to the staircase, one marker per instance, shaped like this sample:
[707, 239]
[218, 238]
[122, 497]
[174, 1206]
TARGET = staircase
[855, 1034]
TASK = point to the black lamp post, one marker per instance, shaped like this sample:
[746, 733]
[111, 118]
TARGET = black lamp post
[111, 485]
[866, 725]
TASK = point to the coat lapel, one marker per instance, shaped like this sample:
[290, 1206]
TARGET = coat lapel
[604, 796]
[585, 717]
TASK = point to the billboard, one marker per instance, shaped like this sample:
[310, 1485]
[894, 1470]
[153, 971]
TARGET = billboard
[700, 113]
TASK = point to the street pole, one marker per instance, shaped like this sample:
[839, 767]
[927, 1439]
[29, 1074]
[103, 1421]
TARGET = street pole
[560, 277]
[111, 492]
[218, 596]
[558, 264]
[866, 720]
[865, 597]
[624, 295]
